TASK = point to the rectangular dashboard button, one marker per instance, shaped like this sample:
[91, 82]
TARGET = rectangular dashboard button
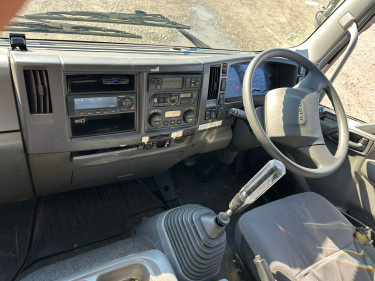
[223, 84]
[219, 112]
[208, 114]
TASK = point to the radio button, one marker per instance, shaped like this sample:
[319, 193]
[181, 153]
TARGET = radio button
[187, 82]
[172, 122]
[198, 82]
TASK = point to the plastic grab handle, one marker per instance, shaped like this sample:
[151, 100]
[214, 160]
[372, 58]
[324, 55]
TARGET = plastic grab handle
[258, 185]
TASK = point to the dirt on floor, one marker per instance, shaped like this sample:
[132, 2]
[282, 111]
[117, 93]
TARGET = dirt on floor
[230, 24]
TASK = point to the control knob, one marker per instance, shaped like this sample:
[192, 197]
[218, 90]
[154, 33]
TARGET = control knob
[189, 117]
[173, 99]
[127, 102]
[155, 119]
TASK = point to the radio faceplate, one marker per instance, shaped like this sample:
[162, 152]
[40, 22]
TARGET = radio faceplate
[86, 105]
[172, 82]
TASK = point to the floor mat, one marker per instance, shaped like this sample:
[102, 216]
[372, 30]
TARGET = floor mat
[16, 222]
[74, 219]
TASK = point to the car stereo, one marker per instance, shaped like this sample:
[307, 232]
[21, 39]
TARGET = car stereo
[84, 105]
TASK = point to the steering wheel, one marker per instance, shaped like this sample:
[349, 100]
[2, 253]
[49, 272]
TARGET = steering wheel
[292, 117]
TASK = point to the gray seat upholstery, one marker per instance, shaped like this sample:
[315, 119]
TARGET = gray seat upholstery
[303, 237]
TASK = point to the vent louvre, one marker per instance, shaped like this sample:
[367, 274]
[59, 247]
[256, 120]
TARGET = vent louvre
[38, 93]
[213, 86]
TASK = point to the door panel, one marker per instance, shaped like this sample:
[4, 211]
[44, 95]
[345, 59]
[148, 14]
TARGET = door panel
[352, 187]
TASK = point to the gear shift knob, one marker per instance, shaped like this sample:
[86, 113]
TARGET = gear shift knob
[253, 189]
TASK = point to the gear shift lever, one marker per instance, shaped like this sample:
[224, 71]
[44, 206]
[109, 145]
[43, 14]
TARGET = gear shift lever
[193, 237]
[253, 189]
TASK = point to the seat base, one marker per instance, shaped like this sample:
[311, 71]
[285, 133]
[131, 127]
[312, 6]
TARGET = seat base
[302, 237]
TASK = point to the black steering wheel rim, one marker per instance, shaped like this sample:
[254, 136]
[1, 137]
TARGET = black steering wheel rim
[327, 164]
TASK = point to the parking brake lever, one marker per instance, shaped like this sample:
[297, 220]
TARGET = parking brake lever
[253, 189]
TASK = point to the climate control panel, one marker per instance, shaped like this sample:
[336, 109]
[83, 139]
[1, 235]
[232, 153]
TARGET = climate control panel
[162, 118]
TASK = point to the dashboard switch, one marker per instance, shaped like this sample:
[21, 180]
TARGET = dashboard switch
[223, 84]
[224, 69]
[208, 114]
[220, 112]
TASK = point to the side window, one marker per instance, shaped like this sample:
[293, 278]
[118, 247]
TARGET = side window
[355, 84]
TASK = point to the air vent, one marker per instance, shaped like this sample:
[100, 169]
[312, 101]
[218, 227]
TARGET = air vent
[38, 93]
[213, 86]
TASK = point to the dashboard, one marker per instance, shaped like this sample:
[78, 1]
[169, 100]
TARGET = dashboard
[95, 114]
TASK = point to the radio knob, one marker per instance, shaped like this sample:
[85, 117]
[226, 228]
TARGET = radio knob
[189, 117]
[155, 120]
[127, 102]
[173, 99]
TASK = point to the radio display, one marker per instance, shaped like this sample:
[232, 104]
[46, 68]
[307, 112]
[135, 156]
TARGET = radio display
[94, 103]
[173, 82]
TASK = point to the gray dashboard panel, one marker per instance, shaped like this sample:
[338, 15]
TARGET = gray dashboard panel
[8, 111]
[50, 148]
[15, 182]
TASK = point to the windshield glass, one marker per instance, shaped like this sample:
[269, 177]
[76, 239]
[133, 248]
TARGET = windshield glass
[226, 24]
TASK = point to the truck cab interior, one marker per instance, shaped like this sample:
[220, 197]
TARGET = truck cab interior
[124, 161]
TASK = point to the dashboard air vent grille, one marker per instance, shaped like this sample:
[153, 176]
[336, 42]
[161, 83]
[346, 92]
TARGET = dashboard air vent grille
[213, 86]
[38, 93]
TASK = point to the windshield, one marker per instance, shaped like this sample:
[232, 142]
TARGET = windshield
[226, 24]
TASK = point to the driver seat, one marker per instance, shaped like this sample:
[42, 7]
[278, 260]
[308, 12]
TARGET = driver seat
[304, 237]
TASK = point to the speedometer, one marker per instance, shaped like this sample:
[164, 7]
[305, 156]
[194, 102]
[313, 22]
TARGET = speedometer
[236, 73]
[259, 84]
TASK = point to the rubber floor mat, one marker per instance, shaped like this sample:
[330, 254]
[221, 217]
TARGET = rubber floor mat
[74, 219]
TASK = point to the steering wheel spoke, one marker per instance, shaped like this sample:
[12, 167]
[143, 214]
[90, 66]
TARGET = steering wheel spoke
[320, 155]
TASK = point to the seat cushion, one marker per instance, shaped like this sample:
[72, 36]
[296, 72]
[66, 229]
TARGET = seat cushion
[302, 237]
